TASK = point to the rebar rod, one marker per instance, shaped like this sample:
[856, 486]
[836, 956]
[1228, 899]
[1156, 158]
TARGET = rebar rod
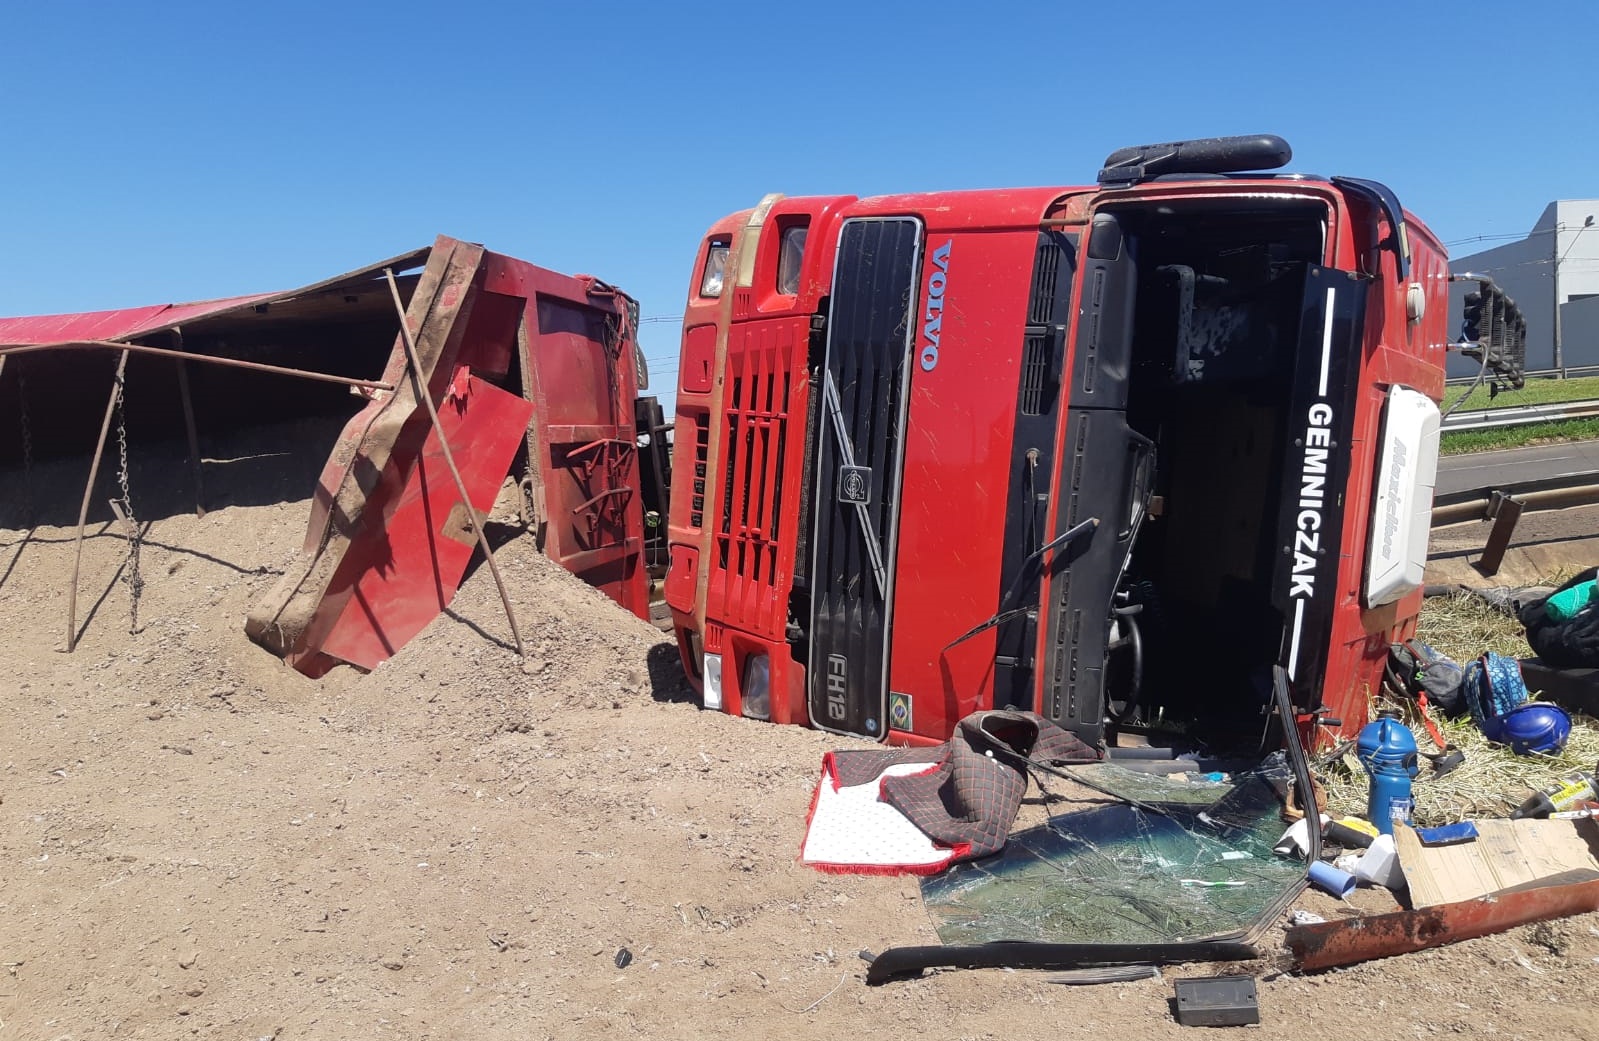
[415, 367]
[88, 494]
[7, 350]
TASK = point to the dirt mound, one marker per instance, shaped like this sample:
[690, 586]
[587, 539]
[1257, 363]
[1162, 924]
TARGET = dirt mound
[200, 842]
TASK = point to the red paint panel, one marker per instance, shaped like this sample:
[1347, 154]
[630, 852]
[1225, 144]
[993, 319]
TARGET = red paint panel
[595, 525]
[572, 357]
[584, 384]
[699, 359]
[489, 344]
[113, 325]
[956, 483]
[404, 566]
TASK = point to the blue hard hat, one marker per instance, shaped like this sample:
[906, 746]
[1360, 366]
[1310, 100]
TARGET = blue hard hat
[1536, 728]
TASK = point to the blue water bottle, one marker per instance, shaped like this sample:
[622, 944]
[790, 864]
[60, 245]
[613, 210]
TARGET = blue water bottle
[1387, 749]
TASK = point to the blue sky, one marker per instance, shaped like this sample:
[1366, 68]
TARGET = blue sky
[178, 151]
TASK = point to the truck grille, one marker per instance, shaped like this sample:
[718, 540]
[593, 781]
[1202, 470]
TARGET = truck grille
[1035, 366]
[760, 379]
[702, 448]
[859, 456]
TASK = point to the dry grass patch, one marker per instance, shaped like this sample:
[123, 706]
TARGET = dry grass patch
[1493, 780]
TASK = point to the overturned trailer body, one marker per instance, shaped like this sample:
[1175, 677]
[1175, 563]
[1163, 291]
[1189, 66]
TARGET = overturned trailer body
[525, 372]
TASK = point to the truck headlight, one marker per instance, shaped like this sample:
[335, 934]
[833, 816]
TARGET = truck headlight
[757, 689]
[713, 681]
[715, 269]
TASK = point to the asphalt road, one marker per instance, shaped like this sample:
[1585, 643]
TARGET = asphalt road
[1494, 469]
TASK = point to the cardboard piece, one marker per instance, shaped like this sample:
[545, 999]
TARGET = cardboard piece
[1507, 855]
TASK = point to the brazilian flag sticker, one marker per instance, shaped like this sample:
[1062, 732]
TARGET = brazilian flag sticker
[899, 711]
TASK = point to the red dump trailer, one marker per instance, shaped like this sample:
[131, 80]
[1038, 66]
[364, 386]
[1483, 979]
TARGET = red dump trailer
[1109, 453]
[533, 374]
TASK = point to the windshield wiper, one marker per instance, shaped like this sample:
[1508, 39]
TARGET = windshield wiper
[1065, 538]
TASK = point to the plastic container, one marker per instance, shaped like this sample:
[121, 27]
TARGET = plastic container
[1331, 880]
[1387, 749]
[1566, 794]
[1567, 603]
[1379, 865]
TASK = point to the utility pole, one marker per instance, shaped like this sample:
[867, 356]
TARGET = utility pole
[1554, 276]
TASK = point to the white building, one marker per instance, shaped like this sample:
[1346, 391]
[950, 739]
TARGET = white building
[1557, 264]
[1579, 331]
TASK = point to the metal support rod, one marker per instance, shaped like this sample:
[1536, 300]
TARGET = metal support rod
[415, 366]
[83, 511]
[188, 425]
[1505, 512]
[237, 363]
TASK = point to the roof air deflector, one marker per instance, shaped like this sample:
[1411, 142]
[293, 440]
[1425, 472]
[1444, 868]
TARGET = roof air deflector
[1206, 155]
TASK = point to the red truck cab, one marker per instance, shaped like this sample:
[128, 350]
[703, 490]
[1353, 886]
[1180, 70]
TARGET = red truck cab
[1107, 452]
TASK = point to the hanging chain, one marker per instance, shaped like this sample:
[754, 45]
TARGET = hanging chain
[27, 448]
[614, 345]
[130, 573]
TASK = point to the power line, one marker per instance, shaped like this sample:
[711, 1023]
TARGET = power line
[1508, 236]
[1500, 238]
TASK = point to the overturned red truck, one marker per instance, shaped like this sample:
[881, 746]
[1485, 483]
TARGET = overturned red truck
[1110, 453]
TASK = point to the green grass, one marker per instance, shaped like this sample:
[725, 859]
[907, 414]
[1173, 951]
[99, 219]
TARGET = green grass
[1462, 441]
[1536, 392]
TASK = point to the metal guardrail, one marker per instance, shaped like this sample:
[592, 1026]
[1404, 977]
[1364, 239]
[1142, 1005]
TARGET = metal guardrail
[1505, 505]
[1520, 415]
[1545, 493]
[1570, 372]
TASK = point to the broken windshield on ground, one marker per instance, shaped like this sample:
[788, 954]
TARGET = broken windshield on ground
[1192, 860]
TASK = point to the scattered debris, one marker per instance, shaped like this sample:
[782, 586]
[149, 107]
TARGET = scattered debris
[1507, 856]
[1448, 834]
[1349, 941]
[813, 1005]
[1575, 791]
[1217, 1001]
[1491, 781]
[1378, 864]
[1331, 880]
[1111, 974]
[904, 962]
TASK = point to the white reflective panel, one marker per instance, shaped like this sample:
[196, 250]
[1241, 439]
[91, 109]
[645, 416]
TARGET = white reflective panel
[1407, 470]
[713, 681]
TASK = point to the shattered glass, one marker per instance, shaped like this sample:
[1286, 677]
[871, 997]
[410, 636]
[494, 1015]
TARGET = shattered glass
[1181, 860]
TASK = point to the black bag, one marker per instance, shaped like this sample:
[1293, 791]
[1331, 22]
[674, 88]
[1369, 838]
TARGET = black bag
[1571, 644]
[1419, 669]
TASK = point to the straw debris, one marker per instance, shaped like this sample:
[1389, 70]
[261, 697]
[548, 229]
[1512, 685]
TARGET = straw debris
[1493, 780]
